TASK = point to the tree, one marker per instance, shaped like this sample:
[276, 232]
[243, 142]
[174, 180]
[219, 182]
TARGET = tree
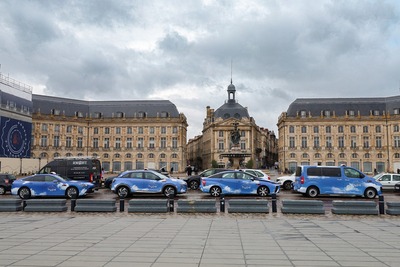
[249, 164]
[214, 164]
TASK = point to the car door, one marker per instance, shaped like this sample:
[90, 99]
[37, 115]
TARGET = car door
[53, 186]
[136, 181]
[37, 185]
[227, 183]
[153, 183]
[353, 182]
[247, 183]
[395, 180]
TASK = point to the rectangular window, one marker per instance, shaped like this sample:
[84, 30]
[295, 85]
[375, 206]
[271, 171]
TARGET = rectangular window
[80, 142]
[151, 142]
[329, 142]
[163, 130]
[106, 142]
[56, 141]
[353, 142]
[341, 142]
[221, 134]
[328, 129]
[117, 142]
[44, 127]
[378, 142]
[365, 129]
[366, 141]
[140, 142]
[57, 128]
[107, 130]
[242, 145]
[163, 142]
[316, 129]
[69, 129]
[316, 141]
[68, 142]
[129, 130]
[129, 142]
[95, 142]
[43, 141]
[95, 130]
[340, 129]
[140, 130]
[151, 130]
[221, 144]
[118, 130]
[174, 130]
[397, 141]
[303, 129]
[174, 142]
[304, 142]
[80, 130]
[292, 142]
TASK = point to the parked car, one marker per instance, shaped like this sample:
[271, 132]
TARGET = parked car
[147, 181]
[126, 174]
[286, 181]
[50, 185]
[6, 181]
[258, 173]
[335, 180]
[388, 180]
[237, 182]
[193, 181]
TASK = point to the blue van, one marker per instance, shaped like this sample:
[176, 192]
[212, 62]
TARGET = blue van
[334, 180]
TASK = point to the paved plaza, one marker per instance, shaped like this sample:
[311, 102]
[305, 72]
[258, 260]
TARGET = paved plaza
[209, 240]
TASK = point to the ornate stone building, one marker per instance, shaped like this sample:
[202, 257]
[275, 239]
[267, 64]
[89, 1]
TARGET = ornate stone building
[123, 134]
[360, 132]
[256, 144]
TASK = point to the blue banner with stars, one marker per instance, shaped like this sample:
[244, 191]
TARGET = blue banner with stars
[15, 139]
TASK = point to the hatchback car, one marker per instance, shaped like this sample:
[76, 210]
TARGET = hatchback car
[237, 183]
[6, 181]
[388, 180]
[50, 185]
[147, 181]
[193, 181]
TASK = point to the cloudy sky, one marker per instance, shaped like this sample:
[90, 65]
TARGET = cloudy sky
[182, 50]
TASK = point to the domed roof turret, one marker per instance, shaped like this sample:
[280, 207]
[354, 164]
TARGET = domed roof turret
[231, 109]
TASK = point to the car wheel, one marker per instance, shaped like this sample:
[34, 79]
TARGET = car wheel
[287, 185]
[312, 191]
[215, 191]
[194, 185]
[72, 192]
[169, 191]
[123, 191]
[24, 193]
[370, 193]
[263, 191]
[2, 190]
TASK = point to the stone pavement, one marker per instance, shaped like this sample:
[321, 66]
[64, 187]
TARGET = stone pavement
[209, 240]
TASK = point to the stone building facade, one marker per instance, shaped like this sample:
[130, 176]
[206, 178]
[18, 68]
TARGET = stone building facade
[256, 144]
[123, 134]
[360, 132]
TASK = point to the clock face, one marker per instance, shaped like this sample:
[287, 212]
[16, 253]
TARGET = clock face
[15, 138]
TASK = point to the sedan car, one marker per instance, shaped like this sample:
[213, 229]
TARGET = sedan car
[6, 181]
[258, 173]
[147, 181]
[126, 174]
[237, 182]
[388, 180]
[50, 185]
[193, 181]
[286, 181]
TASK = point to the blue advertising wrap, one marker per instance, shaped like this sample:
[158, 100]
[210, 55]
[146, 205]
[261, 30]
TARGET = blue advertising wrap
[15, 139]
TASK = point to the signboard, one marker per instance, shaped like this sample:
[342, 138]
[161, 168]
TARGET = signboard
[15, 138]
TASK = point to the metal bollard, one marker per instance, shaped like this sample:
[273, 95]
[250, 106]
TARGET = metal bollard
[122, 204]
[73, 204]
[23, 204]
[381, 205]
[222, 203]
[171, 203]
[273, 202]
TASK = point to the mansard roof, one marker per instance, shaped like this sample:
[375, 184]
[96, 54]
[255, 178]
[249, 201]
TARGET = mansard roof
[340, 106]
[130, 108]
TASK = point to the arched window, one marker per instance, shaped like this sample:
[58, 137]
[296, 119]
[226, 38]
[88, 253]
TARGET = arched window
[139, 155]
[304, 156]
[128, 155]
[151, 156]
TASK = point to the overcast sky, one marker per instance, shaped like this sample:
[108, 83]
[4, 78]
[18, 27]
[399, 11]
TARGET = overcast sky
[182, 51]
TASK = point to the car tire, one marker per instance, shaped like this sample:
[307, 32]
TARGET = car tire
[287, 185]
[24, 193]
[123, 191]
[263, 191]
[312, 191]
[215, 191]
[2, 190]
[370, 193]
[72, 192]
[194, 185]
[169, 191]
